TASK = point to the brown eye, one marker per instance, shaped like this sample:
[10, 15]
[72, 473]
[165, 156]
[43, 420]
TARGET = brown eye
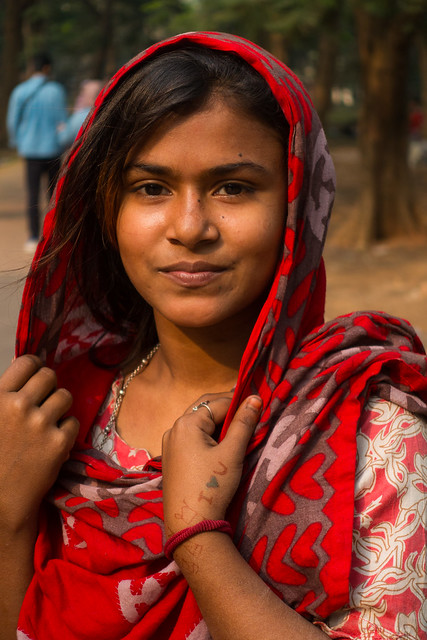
[232, 189]
[153, 189]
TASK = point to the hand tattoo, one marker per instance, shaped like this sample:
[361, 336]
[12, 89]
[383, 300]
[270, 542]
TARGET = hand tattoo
[203, 497]
[187, 514]
[223, 470]
[213, 483]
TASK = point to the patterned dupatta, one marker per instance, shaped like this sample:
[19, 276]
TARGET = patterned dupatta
[100, 571]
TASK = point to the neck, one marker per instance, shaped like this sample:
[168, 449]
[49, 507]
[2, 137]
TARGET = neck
[200, 358]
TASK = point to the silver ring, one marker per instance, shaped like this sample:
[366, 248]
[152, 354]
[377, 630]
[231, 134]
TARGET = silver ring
[205, 404]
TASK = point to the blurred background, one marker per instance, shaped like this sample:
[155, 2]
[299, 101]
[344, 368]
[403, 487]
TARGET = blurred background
[364, 63]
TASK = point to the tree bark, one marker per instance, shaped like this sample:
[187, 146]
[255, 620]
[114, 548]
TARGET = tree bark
[276, 45]
[387, 202]
[328, 51]
[12, 47]
[422, 56]
[104, 61]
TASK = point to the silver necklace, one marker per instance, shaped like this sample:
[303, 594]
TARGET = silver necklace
[122, 392]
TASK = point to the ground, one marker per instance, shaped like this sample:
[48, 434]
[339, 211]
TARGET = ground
[390, 277]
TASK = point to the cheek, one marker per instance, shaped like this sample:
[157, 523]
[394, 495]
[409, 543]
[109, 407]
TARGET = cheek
[128, 228]
[269, 240]
[133, 235]
[262, 256]
[129, 245]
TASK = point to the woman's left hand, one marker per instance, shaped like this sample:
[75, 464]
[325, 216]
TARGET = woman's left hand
[200, 476]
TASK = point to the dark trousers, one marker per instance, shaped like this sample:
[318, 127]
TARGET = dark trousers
[35, 169]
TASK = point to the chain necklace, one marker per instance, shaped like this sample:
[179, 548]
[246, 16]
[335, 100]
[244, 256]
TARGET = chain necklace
[122, 392]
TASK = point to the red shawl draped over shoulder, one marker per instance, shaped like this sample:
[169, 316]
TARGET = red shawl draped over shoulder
[100, 570]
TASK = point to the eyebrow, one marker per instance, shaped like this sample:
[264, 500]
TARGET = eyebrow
[230, 167]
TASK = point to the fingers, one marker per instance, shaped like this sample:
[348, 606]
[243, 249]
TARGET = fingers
[19, 372]
[36, 385]
[216, 410]
[67, 434]
[30, 391]
[210, 398]
[243, 425]
[57, 405]
[211, 414]
[39, 386]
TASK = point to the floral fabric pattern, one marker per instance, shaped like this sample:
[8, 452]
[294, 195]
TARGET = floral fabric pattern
[388, 578]
[113, 445]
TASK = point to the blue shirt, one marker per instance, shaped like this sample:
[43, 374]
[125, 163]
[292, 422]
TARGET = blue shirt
[36, 108]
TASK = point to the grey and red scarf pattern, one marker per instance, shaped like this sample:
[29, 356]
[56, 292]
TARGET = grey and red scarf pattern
[100, 570]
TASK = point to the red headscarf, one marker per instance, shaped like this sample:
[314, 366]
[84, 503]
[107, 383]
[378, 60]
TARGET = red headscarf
[100, 570]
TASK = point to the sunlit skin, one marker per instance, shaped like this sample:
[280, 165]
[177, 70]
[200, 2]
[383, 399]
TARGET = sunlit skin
[199, 232]
[201, 222]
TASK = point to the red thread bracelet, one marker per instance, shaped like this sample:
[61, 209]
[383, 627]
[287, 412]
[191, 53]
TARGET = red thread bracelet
[206, 525]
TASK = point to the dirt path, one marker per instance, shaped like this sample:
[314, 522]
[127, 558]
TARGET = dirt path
[390, 277]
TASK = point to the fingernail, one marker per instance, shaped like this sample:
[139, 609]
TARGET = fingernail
[255, 403]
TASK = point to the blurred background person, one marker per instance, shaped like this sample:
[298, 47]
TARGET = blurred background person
[89, 89]
[417, 143]
[36, 109]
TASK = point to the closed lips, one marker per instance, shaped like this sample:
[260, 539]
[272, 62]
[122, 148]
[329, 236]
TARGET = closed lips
[192, 267]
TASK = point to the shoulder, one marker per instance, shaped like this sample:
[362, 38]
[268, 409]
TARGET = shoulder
[391, 453]
[386, 598]
[53, 84]
[21, 89]
[54, 87]
[384, 416]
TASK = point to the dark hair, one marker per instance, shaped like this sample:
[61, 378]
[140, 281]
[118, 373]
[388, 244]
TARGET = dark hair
[173, 84]
[41, 60]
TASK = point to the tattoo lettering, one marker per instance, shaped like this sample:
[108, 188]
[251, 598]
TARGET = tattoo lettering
[187, 514]
[203, 497]
[195, 549]
[191, 565]
[223, 470]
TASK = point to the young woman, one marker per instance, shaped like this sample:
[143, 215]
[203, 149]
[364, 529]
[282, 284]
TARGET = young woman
[180, 439]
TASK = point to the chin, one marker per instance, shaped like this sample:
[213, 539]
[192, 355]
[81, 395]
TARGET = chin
[195, 318]
[198, 323]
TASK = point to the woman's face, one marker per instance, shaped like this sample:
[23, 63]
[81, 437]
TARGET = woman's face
[201, 222]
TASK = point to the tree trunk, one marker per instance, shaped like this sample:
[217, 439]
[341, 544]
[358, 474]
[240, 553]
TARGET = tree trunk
[104, 62]
[12, 47]
[328, 50]
[422, 56]
[387, 195]
[276, 45]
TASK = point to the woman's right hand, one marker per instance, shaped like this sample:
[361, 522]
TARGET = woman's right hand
[34, 441]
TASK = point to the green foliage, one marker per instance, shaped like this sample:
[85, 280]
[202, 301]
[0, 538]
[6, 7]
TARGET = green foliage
[242, 17]
[288, 17]
[389, 9]
[88, 37]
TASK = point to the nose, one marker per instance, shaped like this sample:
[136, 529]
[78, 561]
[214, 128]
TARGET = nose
[190, 222]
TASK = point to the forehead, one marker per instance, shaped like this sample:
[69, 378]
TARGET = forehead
[218, 129]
